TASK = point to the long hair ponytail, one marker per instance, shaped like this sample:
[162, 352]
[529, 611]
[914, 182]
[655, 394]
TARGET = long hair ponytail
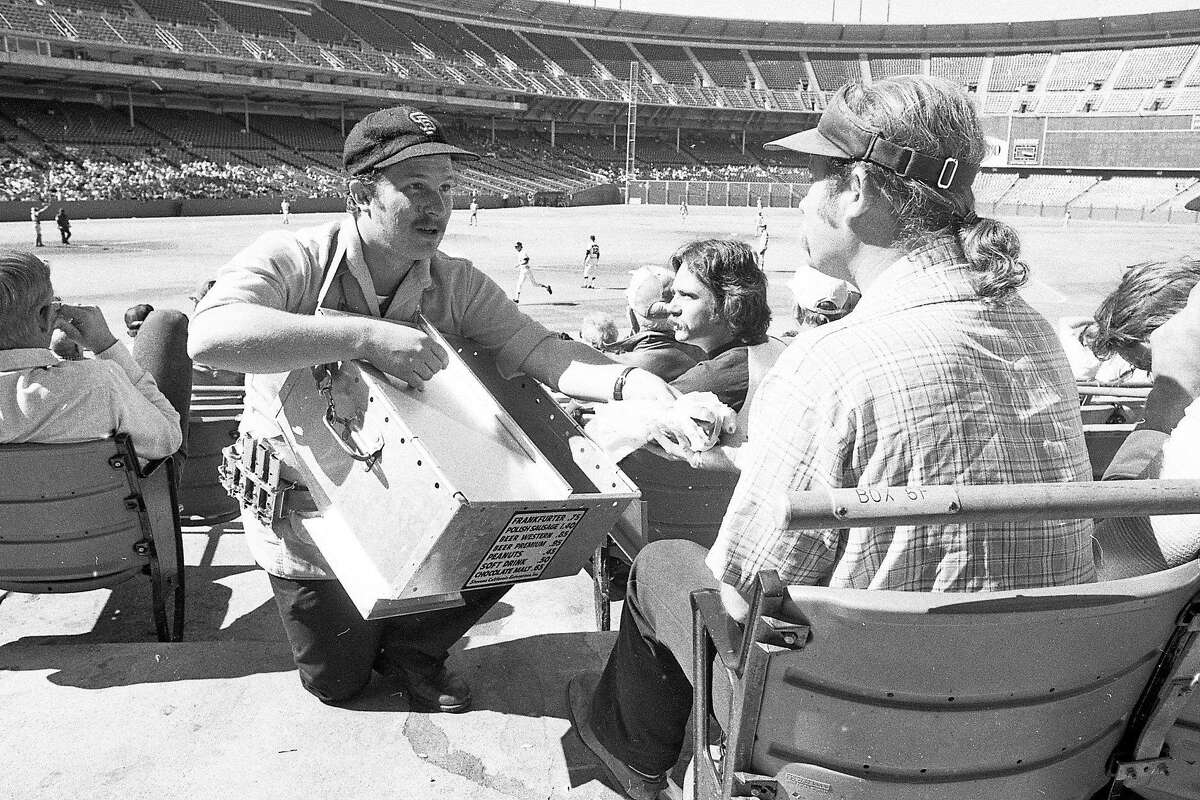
[936, 117]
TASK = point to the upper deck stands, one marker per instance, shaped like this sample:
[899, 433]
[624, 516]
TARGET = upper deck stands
[254, 19]
[1148, 67]
[1081, 69]
[367, 23]
[321, 27]
[963, 70]
[834, 71]
[615, 56]
[671, 62]
[781, 69]
[454, 39]
[891, 67]
[1012, 73]
[169, 11]
[562, 51]
[102, 6]
[510, 45]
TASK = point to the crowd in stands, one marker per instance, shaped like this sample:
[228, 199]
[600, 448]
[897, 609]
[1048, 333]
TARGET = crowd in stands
[153, 178]
[709, 172]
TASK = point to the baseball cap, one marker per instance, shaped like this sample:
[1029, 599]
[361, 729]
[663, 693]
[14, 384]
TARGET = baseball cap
[392, 135]
[840, 133]
[1193, 204]
[813, 290]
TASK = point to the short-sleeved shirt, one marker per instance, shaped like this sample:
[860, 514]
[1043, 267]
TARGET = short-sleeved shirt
[284, 270]
[725, 373]
[657, 352]
[924, 384]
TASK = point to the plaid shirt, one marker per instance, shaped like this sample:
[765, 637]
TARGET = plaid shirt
[923, 384]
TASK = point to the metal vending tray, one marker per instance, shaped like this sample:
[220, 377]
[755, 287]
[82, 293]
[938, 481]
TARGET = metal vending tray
[476, 481]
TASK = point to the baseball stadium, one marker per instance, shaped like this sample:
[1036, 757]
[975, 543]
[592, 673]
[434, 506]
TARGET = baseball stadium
[966, 584]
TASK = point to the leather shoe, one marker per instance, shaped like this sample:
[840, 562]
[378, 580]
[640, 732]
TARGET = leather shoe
[634, 784]
[440, 690]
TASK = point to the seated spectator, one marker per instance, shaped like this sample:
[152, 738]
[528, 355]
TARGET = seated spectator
[45, 400]
[720, 305]
[652, 345]
[135, 316]
[943, 375]
[817, 300]
[598, 329]
[1153, 320]
[1147, 296]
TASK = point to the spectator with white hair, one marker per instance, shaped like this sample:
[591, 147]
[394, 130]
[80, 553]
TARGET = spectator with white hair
[652, 345]
[47, 400]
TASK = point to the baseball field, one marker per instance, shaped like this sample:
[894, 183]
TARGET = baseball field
[116, 263]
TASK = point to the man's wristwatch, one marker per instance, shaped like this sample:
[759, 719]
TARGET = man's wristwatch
[619, 386]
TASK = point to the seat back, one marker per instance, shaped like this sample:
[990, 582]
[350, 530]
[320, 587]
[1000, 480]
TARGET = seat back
[1103, 441]
[212, 426]
[681, 502]
[69, 517]
[938, 696]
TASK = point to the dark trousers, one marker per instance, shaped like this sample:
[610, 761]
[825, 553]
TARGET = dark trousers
[335, 649]
[65, 235]
[641, 707]
[161, 349]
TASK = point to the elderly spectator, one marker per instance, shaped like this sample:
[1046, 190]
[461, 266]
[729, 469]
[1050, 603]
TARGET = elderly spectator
[942, 375]
[652, 345]
[43, 399]
[598, 329]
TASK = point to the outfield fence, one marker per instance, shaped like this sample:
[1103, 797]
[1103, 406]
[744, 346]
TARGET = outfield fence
[789, 195]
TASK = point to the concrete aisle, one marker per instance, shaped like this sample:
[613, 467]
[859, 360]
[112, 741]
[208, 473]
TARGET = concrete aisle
[93, 708]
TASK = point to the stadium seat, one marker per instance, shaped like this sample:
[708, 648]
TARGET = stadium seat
[678, 502]
[83, 516]
[1016, 694]
[212, 426]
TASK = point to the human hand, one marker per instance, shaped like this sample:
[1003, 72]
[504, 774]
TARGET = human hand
[1175, 347]
[714, 417]
[693, 424]
[86, 326]
[406, 352]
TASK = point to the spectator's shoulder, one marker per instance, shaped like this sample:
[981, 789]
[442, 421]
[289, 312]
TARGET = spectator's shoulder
[454, 271]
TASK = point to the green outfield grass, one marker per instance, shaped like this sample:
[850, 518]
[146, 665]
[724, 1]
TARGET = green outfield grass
[116, 263]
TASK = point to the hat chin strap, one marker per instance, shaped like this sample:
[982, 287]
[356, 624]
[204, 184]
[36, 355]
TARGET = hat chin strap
[839, 126]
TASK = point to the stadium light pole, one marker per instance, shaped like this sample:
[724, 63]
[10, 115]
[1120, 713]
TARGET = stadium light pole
[631, 129]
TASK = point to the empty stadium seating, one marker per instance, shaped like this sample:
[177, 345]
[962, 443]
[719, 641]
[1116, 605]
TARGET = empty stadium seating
[563, 52]
[1017, 72]
[833, 71]
[1148, 67]
[1050, 190]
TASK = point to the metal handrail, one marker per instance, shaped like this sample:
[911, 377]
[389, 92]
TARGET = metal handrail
[942, 505]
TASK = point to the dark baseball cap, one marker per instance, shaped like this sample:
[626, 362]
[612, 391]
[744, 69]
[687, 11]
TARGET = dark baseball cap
[1193, 204]
[840, 133]
[392, 135]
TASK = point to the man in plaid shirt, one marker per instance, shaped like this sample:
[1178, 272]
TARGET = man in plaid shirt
[942, 375]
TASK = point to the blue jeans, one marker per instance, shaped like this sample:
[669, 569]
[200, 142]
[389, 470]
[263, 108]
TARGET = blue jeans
[641, 707]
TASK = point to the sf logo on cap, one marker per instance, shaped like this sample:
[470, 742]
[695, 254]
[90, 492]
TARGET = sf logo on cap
[422, 121]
